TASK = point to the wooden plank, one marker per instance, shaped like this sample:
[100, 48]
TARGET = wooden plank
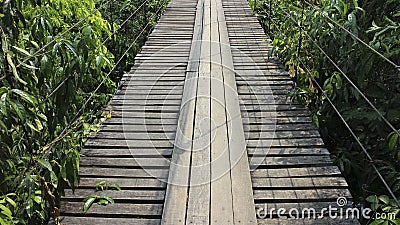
[125, 183]
[83, 220]
[123, 172]
[138, 196]
[299, 182]
[129, 210]
[102, 151]
[320, 221]
[276, 161]
[297, 172]
[198, 206]
[243, 201]
[295, 195]
[221, 184]
[285, 151]
[125, 162]
[178, 180]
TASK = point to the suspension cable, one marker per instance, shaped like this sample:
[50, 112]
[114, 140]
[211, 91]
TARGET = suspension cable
[354, 36]
[109, 36]
[350, 130]
[124, 22]
[64, 33]
[354, 136]
[345, 75]
[67, 129]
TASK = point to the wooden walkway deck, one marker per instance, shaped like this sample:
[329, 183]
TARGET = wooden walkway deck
[202, 133]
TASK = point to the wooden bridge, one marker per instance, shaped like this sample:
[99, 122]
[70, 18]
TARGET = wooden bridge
[202, 132]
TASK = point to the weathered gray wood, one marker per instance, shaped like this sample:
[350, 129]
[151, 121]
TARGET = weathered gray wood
[123, 172]
[117, 209]
[243, 201]
[130, 183]
[125, 162]
[83, 220]
[323, 221]
[297, 182]
[122, 195]
[177, 190]
[221, 211]
[105, 151]
[295, 195]
[297, 172]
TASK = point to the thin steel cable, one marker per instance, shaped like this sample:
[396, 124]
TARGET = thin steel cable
[351, 131]
[64, 33]
[124, 22]
[109, 36]
[345, 75]
[56, 89]
[354, 36]
[74, 120]
[354, 135]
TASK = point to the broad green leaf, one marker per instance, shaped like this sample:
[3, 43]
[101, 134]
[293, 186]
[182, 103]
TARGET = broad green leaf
[35, 44]
[3, 222]
[87, 31]
[108, 198]
[14, 69]
[394, 138]
[39, 125]
[42, 116]
[26, 97]
[102, 202]
[18, 109]
[45, 164]
[54, 179]
[88, 203]
[10, 201]
[37, 199]
[23, 51]
[372, 199]
[29, 123]
[384, 199]
[6, 211]
[3, 127]
[3, 104]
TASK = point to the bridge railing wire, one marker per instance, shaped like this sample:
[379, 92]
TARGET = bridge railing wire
[64, 32]
[75, 123]
[104, 41]
[343, 73]
[333, 105]
[353, 35]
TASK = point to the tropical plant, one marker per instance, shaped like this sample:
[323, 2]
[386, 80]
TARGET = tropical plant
[320, 44]
[55, 77]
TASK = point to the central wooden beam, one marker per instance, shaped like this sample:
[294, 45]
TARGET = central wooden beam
[209, 180]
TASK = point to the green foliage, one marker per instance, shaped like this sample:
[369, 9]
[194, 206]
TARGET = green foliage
[45, 81]
[375, 22]
[104, 185]
[383, 205]
[144, 19]
[100, 200]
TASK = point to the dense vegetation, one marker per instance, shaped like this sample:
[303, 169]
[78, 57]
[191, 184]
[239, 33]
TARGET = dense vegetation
[57, 71]
[299, 30]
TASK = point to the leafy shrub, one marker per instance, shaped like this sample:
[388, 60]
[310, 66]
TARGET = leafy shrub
[54, 67]
[374, 22]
